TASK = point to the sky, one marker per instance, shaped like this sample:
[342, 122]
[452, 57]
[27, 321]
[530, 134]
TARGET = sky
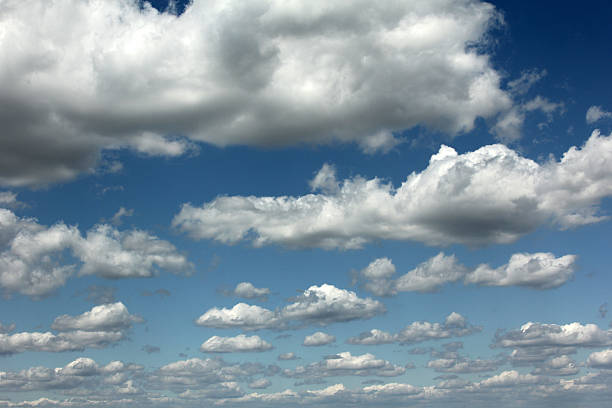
[305, 203]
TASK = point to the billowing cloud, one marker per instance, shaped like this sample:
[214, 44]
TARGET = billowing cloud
[246, 290]
[31, 254]
[238, 344]
[111, 316]
[596, 113]
[318, 339]
[491, 195]
[317, 305]
[463, 365]
[557, 366]
[232, 73]
[454, 325]
[97, 328]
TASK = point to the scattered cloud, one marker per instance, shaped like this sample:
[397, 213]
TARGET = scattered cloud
[346, 364]
[454, 325]
[31, 261]
[287, 356]
[149, 349]
[317, 305]
[246, 290]
[318, 339]
[536, 271]
[596, 113]
[600, 359]
[122, 212]
[238, 344]
[553, 335]
[97, 328]
[491, 195]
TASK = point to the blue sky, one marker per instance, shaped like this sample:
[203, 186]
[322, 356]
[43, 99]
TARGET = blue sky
[306, 203]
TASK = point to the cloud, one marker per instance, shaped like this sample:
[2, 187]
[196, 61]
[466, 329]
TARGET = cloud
[454, 325]
[596, 113]
[122, 212]
[8, 199]
[509, 379]
[246, 290]
[318, 339]
[125, 76]
[553, 335]
[491, 195]
[523, 84]
[600, 359]
[149, 349]
[346, 364]
[108, 317]
[31, 261]
[287, 356]
[454, 363]
[317, 305]
[558, 366]
[238, 344]
[97, 328]
[7, 328]
[536, 271]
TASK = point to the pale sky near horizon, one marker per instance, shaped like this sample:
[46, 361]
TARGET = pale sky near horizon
[297, 203]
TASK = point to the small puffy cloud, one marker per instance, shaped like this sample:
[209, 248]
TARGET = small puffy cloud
[346, 364]
[127, 76]
[454, 325]
[317, 305]
[31, 260]
[537, 271]
[260, 383]
[600, 359]
[491, 195]
[97, 328]
[287, 356]
[238, 344]
[108, 317]
[553, 335]
[596, 113]
[509, 379]
[246, 290]
[318, 339]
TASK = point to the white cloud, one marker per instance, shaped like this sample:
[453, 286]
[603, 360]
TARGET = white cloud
[553, 335]
[318, 339]
[9, 199]
[537, 271]
[96, 328]
[596, 113]
[238, 344]
[491, 195]
[31, 254]
[246, 290]
[454, 325]
[287, 356]
[521, 85]
[600, 359]
[463, 365]
[509, 379]
[317, 305]
[346, 364]
[260, 383]
[111, 316]
[558, 366]
[126, 76]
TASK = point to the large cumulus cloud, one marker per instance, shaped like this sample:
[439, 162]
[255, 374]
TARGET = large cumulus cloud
[79, 76]
[491, 195]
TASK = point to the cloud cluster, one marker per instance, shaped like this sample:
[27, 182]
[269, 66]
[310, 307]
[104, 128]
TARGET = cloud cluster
[97, 328]
[454, 325]
[31, 259]
[346, 364]
[544, 335]
[537, 271]
[491, 195]
[596, 113]
[246, 290]
[317, 305]
[238, 344]
[229, 72]
[318, 339]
